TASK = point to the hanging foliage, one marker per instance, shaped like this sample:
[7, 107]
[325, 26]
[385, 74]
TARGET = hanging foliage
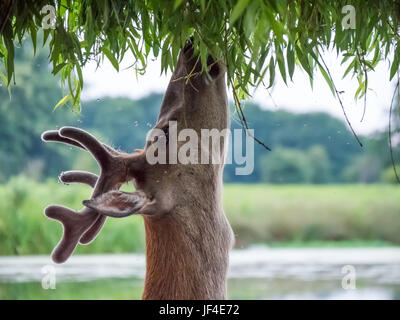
[253, 38]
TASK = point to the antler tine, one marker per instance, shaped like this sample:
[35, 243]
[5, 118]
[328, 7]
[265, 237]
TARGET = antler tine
[90, 143]
[53, 135]
[79, 176]
[91, 180]
[74, 224]
[91, 233]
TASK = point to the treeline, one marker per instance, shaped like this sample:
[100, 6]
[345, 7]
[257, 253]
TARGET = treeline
[306, 148]
[313, 148]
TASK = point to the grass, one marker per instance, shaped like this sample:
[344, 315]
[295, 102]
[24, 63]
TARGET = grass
[332, 244]
[309, 213]
[25, 230]
[95, 290]
[284, 215]
[130, 288]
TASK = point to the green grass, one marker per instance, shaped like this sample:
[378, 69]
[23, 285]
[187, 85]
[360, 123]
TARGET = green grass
[332, 244]
[284, 215]
[25, 230]
[95, 290]
[306, 213]
[130, 288]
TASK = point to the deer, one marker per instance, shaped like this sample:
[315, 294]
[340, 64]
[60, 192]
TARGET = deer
[187, 235]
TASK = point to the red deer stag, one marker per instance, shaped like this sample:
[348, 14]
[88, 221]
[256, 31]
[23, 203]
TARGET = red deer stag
[188, 237]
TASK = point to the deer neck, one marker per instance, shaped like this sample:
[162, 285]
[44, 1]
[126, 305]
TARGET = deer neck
[187, 252]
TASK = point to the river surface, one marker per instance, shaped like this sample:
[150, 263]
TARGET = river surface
[255, 273]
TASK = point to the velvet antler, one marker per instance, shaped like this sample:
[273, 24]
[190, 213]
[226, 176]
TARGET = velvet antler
[84, 225]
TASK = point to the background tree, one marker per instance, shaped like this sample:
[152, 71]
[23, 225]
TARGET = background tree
[252, 38]
[287, 166]
[25, 111]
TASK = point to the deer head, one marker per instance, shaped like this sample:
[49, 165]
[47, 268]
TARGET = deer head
[181, 203]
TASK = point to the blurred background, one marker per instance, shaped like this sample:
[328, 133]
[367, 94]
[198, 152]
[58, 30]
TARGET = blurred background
[316, 203]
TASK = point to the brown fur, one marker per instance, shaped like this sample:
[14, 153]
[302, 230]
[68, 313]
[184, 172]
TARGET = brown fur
[188, 237]
[187, 246]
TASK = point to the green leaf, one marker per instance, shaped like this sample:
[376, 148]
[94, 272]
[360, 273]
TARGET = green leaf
[324, 72]
[395, 64]
[10, 64]
[349, 68]
[111, 57]
[177, 3]
[327, 78]
[63, 101]
[238, 10]
[58, 67]
[33, 37]
[303, 59]
[290, 60]
[10, 52]
[80, 77]
[281, 62]
[156, 50]
[271, 72]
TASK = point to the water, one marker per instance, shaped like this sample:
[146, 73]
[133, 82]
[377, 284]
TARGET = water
[254, 273]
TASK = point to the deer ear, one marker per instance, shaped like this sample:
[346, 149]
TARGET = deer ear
[214, 67]
[188, 48]
[117, 204]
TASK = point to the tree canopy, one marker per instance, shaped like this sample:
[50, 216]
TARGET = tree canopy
[252, 38]
[308, 148]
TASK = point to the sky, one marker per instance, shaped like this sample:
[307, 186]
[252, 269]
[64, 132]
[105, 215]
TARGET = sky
[296, 96]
